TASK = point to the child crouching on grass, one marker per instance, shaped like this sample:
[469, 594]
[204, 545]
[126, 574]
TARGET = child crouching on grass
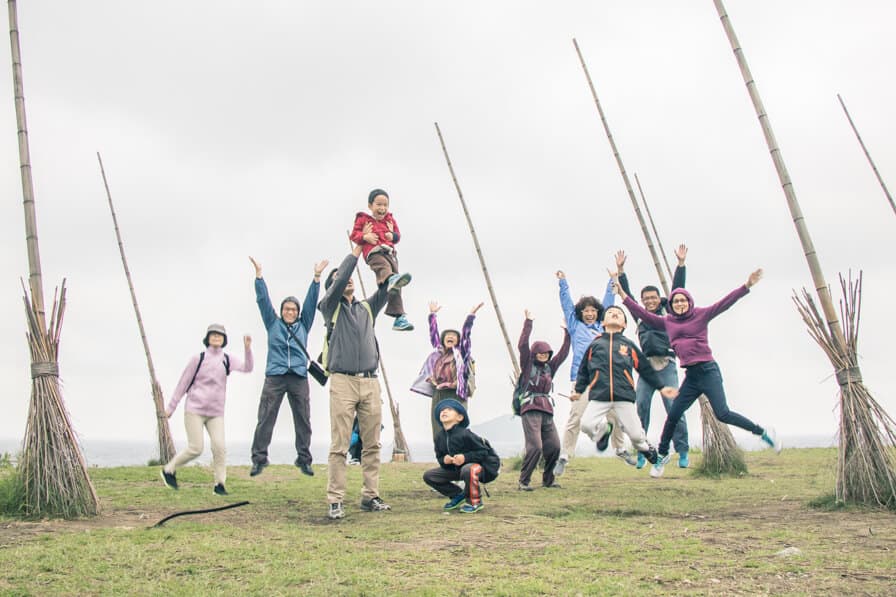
[462, 455]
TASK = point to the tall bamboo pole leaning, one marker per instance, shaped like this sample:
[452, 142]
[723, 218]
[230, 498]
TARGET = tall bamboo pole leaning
[719, 448]
[653, 226]
[488, 280]
[867, 154]
[166, 444]
[866, 471]
[401, 452]
[52, 473]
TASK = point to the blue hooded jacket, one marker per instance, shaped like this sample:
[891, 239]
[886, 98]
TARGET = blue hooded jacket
[581, 334]
[284, 354]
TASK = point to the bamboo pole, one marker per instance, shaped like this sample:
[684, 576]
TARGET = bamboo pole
[653, 227]
[799, 221]
[166, 444]
[867, 154]
[488, 280]
[35, 278]
[400, 450]
[628, 184]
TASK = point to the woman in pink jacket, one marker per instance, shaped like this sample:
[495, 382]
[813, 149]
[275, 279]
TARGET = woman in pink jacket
[204, 383]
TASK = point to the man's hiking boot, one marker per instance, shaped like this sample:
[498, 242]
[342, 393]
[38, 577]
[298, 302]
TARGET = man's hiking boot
[402, 324]
[524, 487]
[604, 440]
[454, 502]
[470, 508]
[256, 469]
[375, 505]
[219, 489]
[553, 485]
[336, 511]
[397, 281]
[169, 479]
[305, 467]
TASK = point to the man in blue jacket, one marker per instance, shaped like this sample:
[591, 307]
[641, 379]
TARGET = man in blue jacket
[286, 371]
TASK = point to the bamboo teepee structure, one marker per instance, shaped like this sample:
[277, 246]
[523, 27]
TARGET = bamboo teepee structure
[401, 452]
[880, 179]
[866, 471]
[721, 454]
[166, 444]
[52, 470]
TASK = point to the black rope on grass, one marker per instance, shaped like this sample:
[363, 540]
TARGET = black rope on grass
[206, 511]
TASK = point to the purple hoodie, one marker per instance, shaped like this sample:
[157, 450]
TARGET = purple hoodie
[688, 332]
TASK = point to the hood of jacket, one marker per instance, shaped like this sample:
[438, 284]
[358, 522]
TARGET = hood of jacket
[540, 346]
[690, 312]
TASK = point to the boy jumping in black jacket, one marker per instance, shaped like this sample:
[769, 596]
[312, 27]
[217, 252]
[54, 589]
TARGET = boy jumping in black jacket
[461, 454]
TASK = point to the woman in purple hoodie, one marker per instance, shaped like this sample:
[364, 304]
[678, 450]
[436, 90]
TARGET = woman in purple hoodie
[687, 327]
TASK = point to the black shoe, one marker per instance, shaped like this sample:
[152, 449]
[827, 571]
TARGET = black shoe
[306, 469]
[553, 485]
[604, 440]
[650, 455]
[219, 489]
[170, 479]
[257, 467]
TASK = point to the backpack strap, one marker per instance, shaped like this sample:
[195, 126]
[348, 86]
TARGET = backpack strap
[195, 373]
[226, 363]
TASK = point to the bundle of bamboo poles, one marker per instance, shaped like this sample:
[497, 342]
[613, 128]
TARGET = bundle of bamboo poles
[52, 470]
[866, 464]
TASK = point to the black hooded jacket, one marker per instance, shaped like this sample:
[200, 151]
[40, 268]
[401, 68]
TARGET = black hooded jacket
[654, 342]
[460, 440]
[606, 369]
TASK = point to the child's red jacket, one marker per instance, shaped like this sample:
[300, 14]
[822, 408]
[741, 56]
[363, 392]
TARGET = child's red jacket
[380, 228]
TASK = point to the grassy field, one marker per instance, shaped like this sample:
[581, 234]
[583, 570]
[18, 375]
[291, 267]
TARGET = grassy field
[610, 530]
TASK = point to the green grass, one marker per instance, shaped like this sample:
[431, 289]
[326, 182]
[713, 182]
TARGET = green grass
[610, 530]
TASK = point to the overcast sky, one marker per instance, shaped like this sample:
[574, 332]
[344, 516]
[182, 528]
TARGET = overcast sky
[231, 129]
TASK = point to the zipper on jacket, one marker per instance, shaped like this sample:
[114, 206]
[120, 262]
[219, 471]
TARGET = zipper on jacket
[611, 367]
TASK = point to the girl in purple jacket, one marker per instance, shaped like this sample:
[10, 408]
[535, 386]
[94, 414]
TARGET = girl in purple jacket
[687, 327]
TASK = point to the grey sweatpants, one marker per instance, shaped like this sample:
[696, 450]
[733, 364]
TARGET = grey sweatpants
[297, 393]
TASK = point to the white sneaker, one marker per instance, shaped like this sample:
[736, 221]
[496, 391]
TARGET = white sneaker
[627, 457]
[560, 467]
[656, 471]
[770, 437]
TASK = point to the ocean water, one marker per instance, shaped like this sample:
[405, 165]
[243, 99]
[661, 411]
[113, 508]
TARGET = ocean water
[110, 453]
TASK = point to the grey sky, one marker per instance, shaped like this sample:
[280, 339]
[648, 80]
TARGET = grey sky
[229, 132]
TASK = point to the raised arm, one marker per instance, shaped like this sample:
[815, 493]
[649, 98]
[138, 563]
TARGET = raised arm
[561, 354]
[312, 295]
[523, 344]
[434, 337]
[569, 308]
[466, 330]
[331, 298]
[246, 362]
[268, 315]
[678, 278]
[732, 297]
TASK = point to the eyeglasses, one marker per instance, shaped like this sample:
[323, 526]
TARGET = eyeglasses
[290, 309]
[679, 300]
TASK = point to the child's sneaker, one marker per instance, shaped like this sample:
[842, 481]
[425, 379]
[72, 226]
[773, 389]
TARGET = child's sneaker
[397, 281]
[470, 508]
[169, 479]
[640, 462]
[656, 471]
[604, 440]
[771, 438]
[627, 457]
[336, 511]
[683, 460]
[454, 502]
[219, 489]
[402, 324]
[560, 467]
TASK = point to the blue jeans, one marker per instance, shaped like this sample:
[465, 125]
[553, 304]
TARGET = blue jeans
[644, 398]
[703, 378]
